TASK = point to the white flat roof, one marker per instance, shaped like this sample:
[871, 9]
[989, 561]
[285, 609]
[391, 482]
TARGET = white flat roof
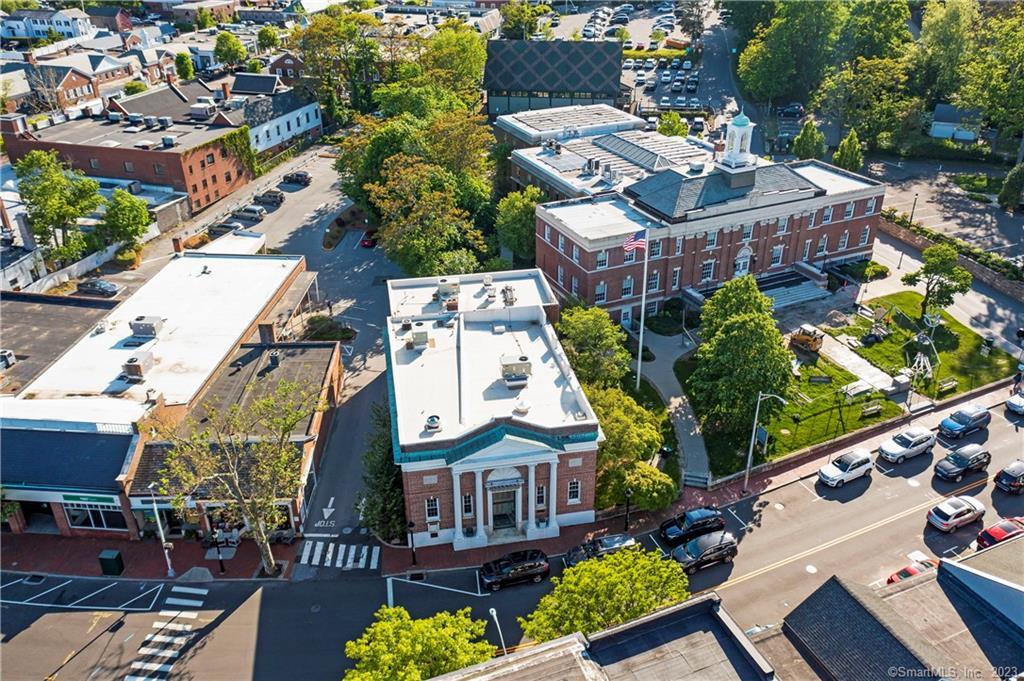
[415, 297]
[237, 242]
[100, 410]
[598, 218]
[832, 181]
[566, 122]
[206, 302]
[457, 374]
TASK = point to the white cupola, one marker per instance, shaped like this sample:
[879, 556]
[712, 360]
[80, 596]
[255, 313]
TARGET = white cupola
[736, 159]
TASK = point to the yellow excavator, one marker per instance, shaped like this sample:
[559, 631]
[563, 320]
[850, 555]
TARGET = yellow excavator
[807, 337]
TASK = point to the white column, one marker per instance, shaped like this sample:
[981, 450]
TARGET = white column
[532, 492]
[457, 506]
[478, 504]
[553, 493]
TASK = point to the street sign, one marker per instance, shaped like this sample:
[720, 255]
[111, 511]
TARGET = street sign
[762, 435]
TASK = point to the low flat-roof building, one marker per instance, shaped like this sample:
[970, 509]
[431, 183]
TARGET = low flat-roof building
[494, 435]
[534, 128]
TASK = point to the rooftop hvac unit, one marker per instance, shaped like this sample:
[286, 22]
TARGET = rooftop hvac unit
[508, 294]
[202, 110]
[165, 121]
[114, 116]
[149, 121]
[522, 408]
[146, 326]
[488, 279]
[206, 100]
[135, 187]
[137, 366]
[515, 371]
[447, 288]
[492, 293]
[135, 118]
[420, 339]
[167, 140]
[406, 324]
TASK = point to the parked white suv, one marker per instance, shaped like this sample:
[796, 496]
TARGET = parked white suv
[909, 443]
[849, 466]
[956, 512]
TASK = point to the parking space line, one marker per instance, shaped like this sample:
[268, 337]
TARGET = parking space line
[443, 588]
[12, 583]
[108, 586]
[884, 470]
[47, 591]
[813, 493]
[158, 589]
[658, 545]
[738, 519]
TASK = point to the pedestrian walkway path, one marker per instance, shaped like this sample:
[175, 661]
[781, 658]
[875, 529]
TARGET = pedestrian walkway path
[842, 355]
[173, 631]
[328, 554]
[660, 373]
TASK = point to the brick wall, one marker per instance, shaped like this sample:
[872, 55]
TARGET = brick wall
[418, 489]
[585, 472]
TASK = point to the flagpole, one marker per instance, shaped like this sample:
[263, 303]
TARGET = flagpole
[643, 311]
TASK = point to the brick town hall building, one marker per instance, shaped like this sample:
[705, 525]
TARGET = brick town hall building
[781, 222]
[494, 436]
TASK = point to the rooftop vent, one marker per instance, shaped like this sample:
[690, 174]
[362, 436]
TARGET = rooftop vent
[167, 140]
[114, 116]
[146, 326]
[515, 371]
[137, 365]
[406, 324]
[522, 408]
[508, 295]
[165, 121]
[275, 358]
[488, 279]
[497, 329]
[492, 293]
[149, 121]
[447, 288]
[433, 423]
[696, 166]
[135, 118]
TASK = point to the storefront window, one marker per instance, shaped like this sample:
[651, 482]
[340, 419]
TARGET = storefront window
[95, 516]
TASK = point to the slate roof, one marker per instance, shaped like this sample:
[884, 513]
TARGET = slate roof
[171, 101]
[854, 635]
[255, 84]
[672, 193]
[947, 113]
[259, 111]
[554, 66]
[56, 459]
[103, 11]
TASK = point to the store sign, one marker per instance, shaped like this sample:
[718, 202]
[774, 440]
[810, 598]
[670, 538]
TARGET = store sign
[86, 499]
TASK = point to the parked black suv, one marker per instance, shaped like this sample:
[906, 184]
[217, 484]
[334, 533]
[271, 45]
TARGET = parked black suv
[708, 549]
[298, 177]
[272, 197]
[1011, 478]
[966, 459]
[794, 110]
[596, 548]
[690, 525]
[519, 566]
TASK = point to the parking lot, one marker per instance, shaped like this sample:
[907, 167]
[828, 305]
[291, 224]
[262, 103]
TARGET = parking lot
[78, 593]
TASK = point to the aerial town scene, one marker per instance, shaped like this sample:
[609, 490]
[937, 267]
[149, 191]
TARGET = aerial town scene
[497, 340]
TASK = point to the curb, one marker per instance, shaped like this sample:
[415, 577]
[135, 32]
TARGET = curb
[165, 580]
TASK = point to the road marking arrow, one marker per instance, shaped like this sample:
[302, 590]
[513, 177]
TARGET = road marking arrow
[329, 510]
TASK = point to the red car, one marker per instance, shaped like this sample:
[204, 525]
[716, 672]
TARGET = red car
[369, 239]
[915, 568]
[1007, 528]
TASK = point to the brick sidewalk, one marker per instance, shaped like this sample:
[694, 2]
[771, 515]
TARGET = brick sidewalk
[55, 554]
[397, 560]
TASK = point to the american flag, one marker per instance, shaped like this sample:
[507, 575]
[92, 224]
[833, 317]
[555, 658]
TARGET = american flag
[635, 242]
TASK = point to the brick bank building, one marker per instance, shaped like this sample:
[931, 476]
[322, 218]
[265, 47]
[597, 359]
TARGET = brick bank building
[708, 223]
[495, 438]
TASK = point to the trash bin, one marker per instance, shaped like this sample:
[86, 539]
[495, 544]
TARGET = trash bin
[111, 563]
[989, 340]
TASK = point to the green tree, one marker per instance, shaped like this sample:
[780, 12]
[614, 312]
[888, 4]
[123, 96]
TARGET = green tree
[942, 276]
[125, 219]
[810, 142]
[875, 28]
[419, 101]
[673, 125]
[593, 343]
[454, 59]
[519, 19]
[516, 223]
[12, 6]
[765, 73]
[1013, 186]
[459, 261]
[383, 500]
[652, 489]
[632, 435]
[267, 38]
[942, 49]
[228, 49]
[183, 66]
[622, 35]
[205, 19]
[56, 197]
[657, 35]
[398, 647]
[749, 16]
[848, 155]
[736, 297]
[599, 594]
[254, 66]
[747, 355]
[134, 87]
[870, 95]
[242, 456]
[459, 142]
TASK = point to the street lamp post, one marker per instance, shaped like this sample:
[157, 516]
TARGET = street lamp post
[501, 636]
[761, 397]
[629, 495]
[160, 529]
[412, 540]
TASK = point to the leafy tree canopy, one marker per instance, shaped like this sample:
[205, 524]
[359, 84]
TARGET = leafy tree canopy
[516, 222]
[993, 75]
[125, 219]
[519, 19]
[228, 49]
[673, 125]
[735, 297]
[875, 29]
[184, 67]
[593, 344]
[849, 155]
[1010, 194]
[945, 33]
[809, 142]
[943, 278]
[383, 505]
[267, 38]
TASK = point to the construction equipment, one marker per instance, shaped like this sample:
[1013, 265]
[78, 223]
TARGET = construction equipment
[807, 337]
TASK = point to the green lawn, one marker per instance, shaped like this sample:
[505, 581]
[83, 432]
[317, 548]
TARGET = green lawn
[649, 398]
[979, 183]
[958, 348]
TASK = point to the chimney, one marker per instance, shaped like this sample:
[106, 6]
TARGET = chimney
[226, 89]
[178, 244]
[30, 57]
[170, 78]
[268, 333]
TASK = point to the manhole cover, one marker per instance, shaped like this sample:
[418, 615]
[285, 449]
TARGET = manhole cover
[779, 507]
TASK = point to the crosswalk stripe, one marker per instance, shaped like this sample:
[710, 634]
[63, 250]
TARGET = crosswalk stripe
[160, 638]
[159, 652]
[316, 553]
[184, 601]
[190, 590]
[184, 614]
[152, 666]
[307, 546]
[363, 550]
[341, 555]
[351, 557]
[330, 554]
[132, 677]
[374, 557]
[172, 626]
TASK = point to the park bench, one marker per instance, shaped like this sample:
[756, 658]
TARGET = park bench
[947, 384]
[871, 408]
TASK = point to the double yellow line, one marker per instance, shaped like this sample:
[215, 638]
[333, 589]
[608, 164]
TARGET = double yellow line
[840, 540]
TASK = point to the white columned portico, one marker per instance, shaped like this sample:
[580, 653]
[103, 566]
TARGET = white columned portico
[479, 505]
[552, 500]
[532, 496]
[457, 501]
